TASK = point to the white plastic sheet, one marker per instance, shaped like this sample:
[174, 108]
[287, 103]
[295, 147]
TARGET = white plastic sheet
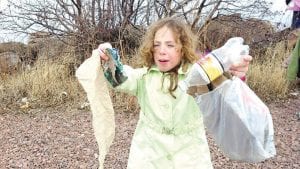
[90, 76]
[239, 122]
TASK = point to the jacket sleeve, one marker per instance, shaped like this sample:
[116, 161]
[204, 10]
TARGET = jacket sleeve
[131, 85]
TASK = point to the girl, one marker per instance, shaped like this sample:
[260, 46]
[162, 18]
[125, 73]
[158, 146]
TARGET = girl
[170, 132]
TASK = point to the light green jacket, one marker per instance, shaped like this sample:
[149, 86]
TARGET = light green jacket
[170, 132]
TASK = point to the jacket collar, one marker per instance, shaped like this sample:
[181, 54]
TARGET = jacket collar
[154, 68]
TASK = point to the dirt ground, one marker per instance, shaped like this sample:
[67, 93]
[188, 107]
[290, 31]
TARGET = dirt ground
[61, 137]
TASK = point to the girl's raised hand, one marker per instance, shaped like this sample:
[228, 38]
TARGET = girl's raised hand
[101, 49]
[240, 69]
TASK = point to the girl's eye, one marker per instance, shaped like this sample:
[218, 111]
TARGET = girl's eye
[171, 45]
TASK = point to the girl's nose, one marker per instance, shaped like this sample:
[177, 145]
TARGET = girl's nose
[162, 49]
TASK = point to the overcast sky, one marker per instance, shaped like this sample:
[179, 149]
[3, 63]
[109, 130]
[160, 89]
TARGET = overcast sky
[2, 4]
[280, 6]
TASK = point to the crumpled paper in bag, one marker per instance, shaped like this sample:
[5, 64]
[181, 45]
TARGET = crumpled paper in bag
[239, 122]
[90, 76]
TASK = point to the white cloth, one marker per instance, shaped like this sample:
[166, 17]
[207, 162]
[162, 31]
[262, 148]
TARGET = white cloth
[90, 76]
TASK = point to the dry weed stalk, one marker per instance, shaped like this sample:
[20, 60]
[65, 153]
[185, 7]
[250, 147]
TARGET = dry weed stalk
[267, 77]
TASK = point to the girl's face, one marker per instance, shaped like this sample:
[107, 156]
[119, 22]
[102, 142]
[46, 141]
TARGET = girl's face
[167, 52]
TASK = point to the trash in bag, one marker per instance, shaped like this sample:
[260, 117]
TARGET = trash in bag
[239, 122]
[214, 64]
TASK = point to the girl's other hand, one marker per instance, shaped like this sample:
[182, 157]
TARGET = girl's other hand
[240, 69]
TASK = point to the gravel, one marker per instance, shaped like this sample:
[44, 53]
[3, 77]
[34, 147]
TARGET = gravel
[60, 137]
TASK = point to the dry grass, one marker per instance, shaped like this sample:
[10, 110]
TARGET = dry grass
[267, 77]
[52, 82]
[48, 83]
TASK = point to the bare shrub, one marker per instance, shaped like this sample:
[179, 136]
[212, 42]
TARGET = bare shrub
[44, 46]
[10, 62]
[16, 47]
[220, 29]
[11, 56]
[131, 36]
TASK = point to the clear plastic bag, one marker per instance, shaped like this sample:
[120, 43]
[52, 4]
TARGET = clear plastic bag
[239, 122]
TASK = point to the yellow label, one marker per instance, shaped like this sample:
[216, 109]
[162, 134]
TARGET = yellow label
[211, 67]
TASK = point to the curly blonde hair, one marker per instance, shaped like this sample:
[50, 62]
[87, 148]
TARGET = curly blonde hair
[182, 34]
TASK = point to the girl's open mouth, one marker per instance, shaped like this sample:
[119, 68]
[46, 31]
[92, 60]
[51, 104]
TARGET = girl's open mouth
[163, 61]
